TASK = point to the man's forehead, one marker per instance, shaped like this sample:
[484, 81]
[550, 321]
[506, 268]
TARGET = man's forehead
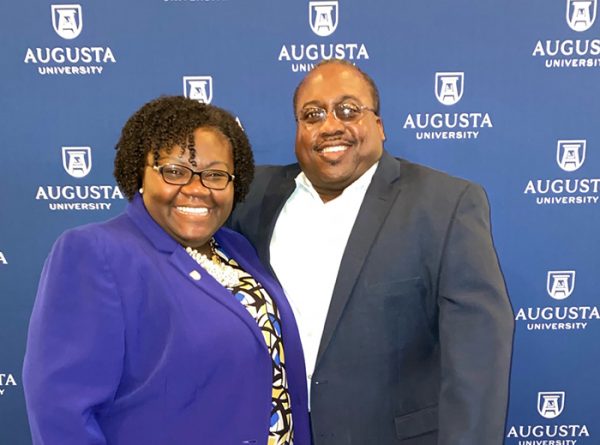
[331, 82]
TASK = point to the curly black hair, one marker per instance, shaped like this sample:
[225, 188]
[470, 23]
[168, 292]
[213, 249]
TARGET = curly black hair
[163, 123]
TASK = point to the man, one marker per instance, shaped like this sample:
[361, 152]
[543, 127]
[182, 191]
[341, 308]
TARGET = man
[392, 275]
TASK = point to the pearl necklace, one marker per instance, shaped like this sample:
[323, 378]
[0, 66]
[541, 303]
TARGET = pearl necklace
[220, 271]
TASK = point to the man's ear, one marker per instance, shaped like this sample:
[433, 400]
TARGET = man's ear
[381, 129]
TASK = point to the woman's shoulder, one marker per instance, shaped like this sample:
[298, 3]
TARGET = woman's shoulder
[111, 232]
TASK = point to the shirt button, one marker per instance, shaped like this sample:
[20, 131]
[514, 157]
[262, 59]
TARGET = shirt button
[309, 376]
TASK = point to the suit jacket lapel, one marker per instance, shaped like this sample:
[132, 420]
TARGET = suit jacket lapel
[187, 266]
[212, 289]
[281, 185]
[376, 205]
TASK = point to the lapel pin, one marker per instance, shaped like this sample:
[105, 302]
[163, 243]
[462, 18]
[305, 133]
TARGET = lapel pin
[195, 275]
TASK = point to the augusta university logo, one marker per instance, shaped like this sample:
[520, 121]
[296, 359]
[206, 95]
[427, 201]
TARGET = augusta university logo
[77, 161]
[551, 404]
[323, 17]
[198, 88]
[581, 14]
[570, 155]
[575, 51]
[560, 283]
[449, 87]
[67, 20]
[448, 124]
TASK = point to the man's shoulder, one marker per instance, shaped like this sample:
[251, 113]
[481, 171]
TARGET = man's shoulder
[267, 176]
[424, 176]
[428, 173]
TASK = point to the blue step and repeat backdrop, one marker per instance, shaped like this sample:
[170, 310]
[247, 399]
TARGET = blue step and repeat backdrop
[502, 93]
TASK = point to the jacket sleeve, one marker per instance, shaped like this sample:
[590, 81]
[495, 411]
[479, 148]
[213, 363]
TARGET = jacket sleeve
[75, 344]
[476, 329]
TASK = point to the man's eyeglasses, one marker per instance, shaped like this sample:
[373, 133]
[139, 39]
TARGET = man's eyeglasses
[180, 175]
[343, 112]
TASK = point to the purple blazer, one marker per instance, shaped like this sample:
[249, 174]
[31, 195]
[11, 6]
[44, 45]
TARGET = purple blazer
[127, 346]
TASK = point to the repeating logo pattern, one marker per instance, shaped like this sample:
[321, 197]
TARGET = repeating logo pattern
[3, 259]
[7, 380]
[449, 87]
[323, 17]
[77, 161]
[550, 404]
[581, 14]
[198, 88]
[67, 20]
[574, 51]
[570, 155]
[560, 284]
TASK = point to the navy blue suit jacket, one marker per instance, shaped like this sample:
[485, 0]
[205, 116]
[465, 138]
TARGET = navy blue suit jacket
[417, 342]
[126, 346]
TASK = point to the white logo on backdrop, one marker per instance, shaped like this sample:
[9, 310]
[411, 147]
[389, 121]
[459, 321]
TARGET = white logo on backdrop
[570, 155]
[581, 14]
[550, 404]
[449, 87]
[77, 161]
[67, 20]
[323, 17]
[6, 380]
[198, 88]
[560, 283]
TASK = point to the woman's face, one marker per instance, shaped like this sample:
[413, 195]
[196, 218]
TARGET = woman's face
[191, 213]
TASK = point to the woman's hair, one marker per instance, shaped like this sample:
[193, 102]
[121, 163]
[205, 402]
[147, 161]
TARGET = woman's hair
[168, 121]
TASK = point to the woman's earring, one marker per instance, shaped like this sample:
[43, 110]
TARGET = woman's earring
[141, 190]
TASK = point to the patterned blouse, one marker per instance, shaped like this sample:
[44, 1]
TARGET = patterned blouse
[263, 309]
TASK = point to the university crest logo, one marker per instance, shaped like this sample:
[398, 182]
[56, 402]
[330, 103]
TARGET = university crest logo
[77, 161]
[560, 283]
[323, 17]
[449, 87]
[581, 14]
[550, 404]
[198, 88]
[570, 155]
[67, 20]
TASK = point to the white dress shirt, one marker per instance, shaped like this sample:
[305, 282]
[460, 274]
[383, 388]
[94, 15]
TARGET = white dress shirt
[306, 249]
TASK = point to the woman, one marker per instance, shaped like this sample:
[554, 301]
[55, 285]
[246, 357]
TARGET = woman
[160, 326]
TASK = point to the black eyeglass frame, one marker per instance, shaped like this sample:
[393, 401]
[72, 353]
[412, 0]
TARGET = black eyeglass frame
[200, 173]
[337, 107]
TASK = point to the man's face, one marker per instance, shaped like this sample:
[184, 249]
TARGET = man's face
[332, 153]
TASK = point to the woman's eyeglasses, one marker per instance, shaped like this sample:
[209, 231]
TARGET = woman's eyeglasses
[180, 175]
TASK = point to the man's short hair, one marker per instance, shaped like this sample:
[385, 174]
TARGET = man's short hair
[365, 76]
